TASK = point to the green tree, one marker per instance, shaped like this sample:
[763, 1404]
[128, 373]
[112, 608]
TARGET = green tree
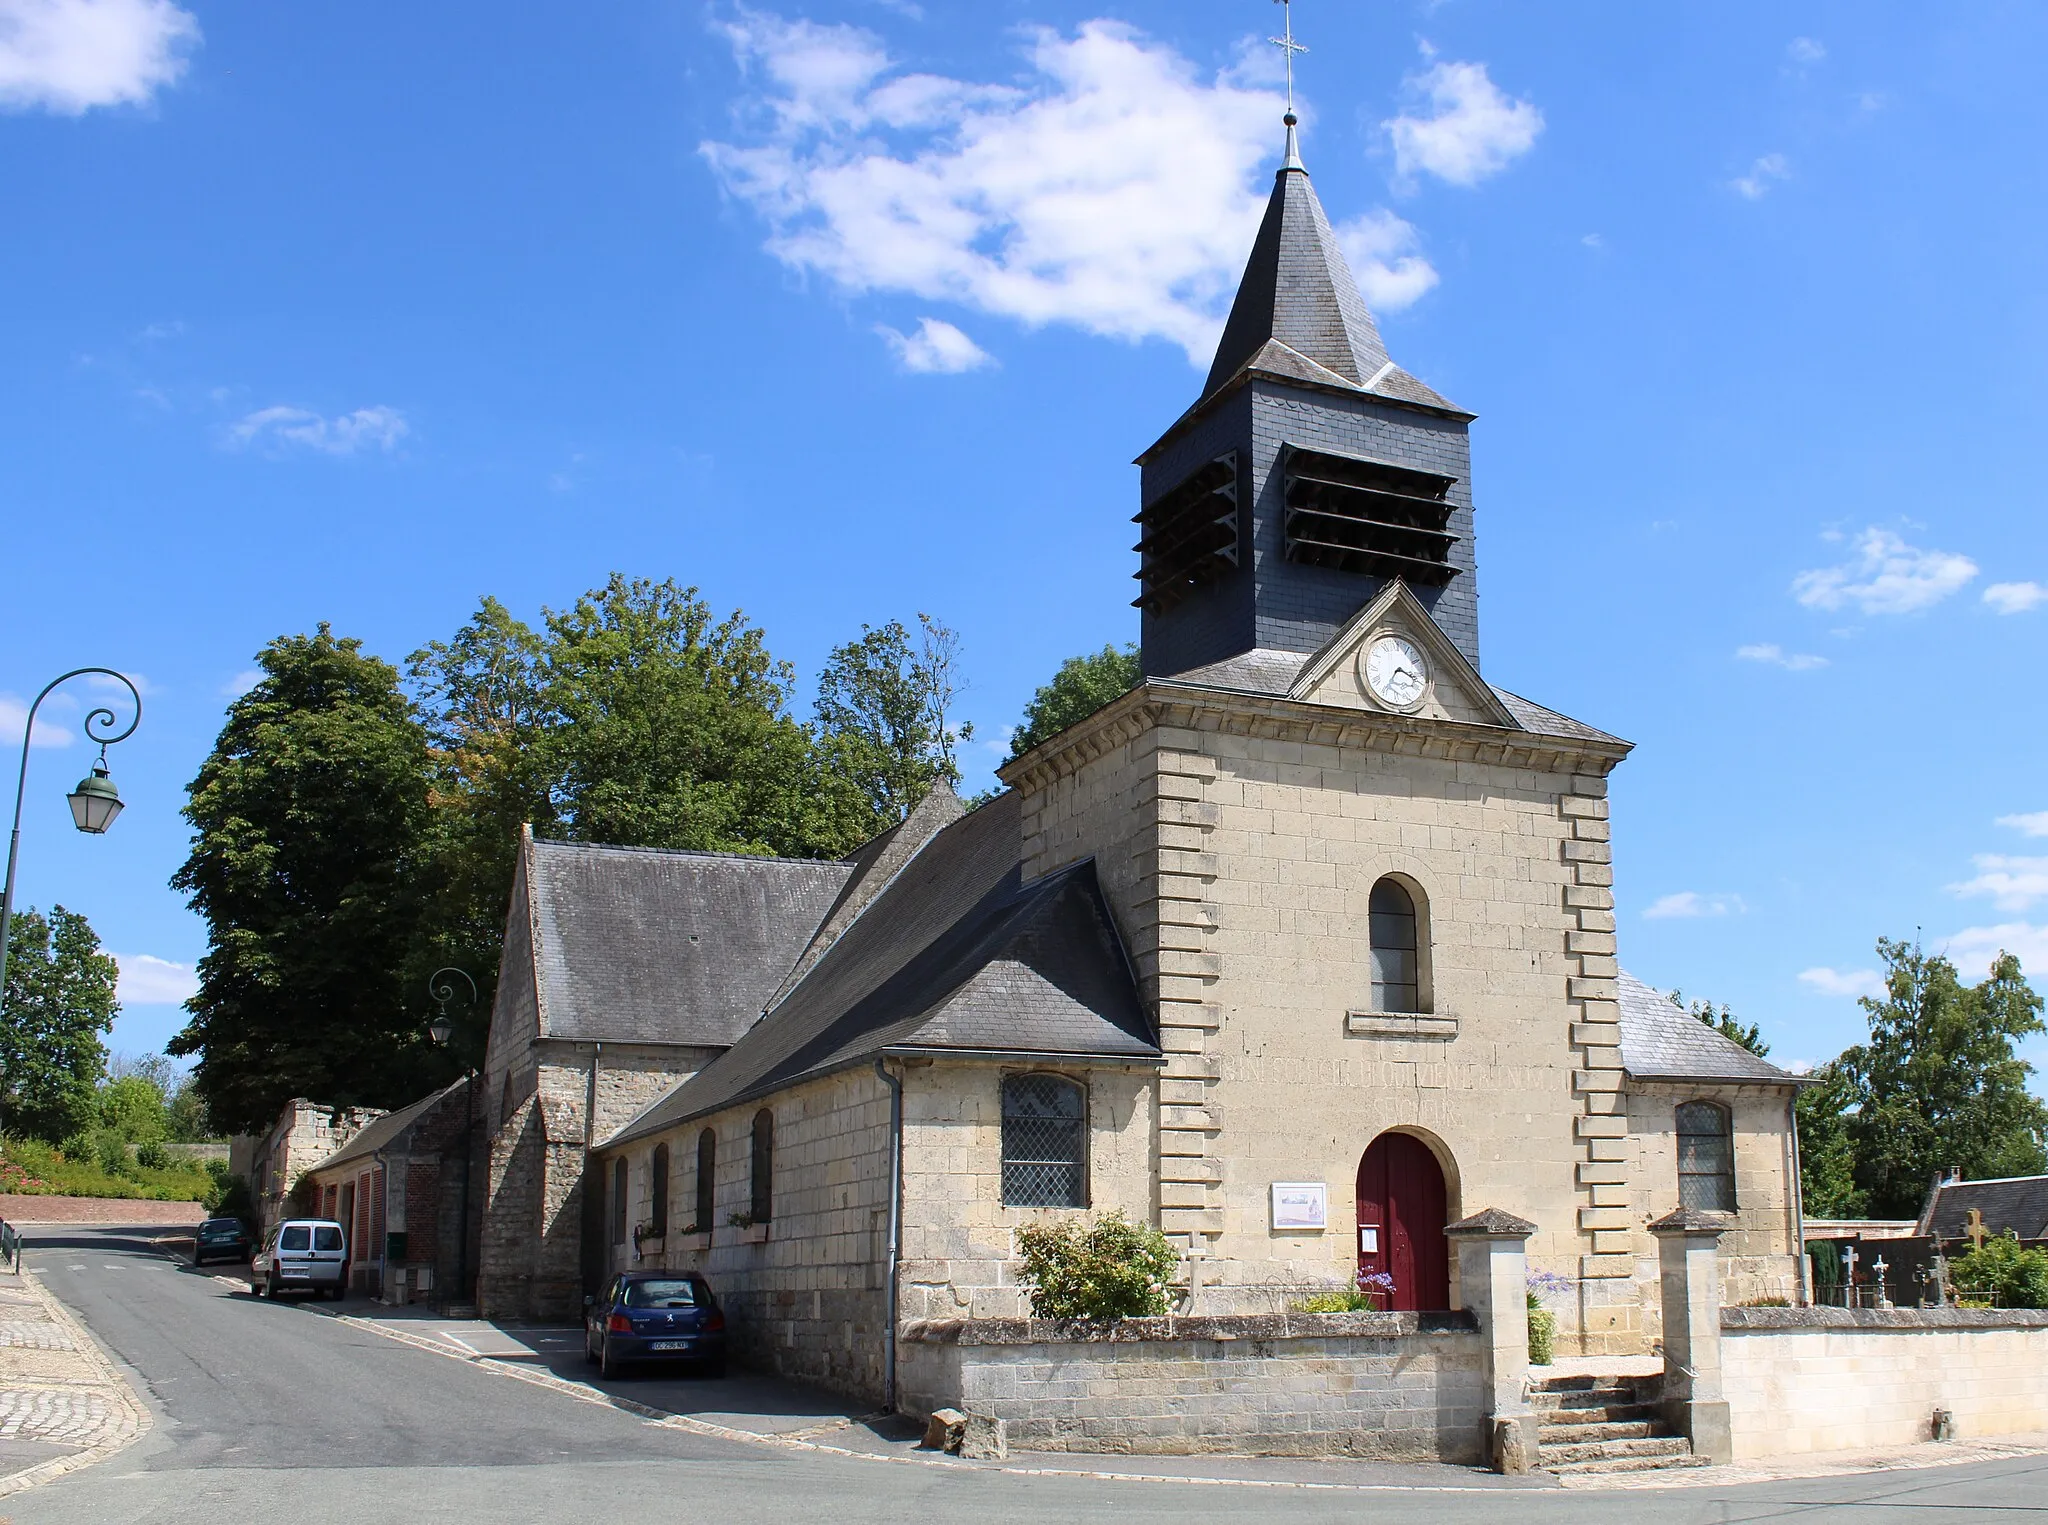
[308, 865]
[58, 1001]
[1727, 1024]
[883, 728]
[132, 1108]
[1939, 1083]
[670, 729]
[1827, 1156]
[1082, 686]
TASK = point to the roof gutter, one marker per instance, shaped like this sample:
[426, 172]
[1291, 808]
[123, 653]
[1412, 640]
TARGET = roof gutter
[1782, 1082]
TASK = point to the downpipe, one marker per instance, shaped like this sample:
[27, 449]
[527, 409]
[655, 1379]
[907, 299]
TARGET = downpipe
[895, 1231]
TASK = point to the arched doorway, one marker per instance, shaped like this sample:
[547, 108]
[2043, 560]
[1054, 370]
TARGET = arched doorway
[1402, 1210]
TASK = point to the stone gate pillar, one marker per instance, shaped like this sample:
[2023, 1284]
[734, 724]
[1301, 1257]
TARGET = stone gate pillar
[1493, 1283]
[1690, 1282]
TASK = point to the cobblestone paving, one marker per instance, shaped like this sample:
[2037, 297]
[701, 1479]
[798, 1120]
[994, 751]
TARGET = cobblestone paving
[38, 1334]
[54, 1414]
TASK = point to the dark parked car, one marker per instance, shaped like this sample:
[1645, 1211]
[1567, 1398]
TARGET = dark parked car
[655, 1316]
[222, 1239]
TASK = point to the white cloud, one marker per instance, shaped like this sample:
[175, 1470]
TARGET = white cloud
[2034, 824]
[2014, 883]
[69, 56]
[14, 715]
[1762, 175]
[1806, 50]
[378, 428]
[1777, 656]
[1886, 576]
[1112, 187]
[241, 683]
[936, 348]
[1385, 255]
[1972, 949]
[147, 980]
[1844, 982]
[1688, 903]
[1473, 130]
[2015, 597]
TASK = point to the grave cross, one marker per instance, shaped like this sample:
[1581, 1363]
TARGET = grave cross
[1848, 1265]
[1879, 1268]
[1977, 1233]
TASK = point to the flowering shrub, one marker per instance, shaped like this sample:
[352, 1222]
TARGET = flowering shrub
[1543, 1322]
[1373, 1290]
[1111, 1268]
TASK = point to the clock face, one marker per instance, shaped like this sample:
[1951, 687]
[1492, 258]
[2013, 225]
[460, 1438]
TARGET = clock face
[1395, 672]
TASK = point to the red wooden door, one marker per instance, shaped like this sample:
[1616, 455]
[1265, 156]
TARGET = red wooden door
[1401, 1217]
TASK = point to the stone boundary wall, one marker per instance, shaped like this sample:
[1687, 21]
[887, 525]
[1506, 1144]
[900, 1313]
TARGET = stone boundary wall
[1824, 1379]
[1390, 1386]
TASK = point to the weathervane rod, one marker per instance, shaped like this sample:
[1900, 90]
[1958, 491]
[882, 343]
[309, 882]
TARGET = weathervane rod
[1288, 47]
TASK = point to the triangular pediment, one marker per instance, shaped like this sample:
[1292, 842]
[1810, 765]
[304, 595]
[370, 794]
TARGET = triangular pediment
[1451, 689]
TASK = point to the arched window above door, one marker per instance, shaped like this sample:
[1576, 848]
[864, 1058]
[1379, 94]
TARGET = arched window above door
[1396, 951]
[1706, 1157]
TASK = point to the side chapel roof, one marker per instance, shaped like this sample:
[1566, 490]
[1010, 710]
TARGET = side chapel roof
[645, 945]
[1661, 1040]
[956, 955]
[2016, 1204]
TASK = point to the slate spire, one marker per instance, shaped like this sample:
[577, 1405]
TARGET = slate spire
[1298, 290]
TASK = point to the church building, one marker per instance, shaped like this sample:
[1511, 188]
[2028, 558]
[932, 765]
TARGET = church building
[1302, 949]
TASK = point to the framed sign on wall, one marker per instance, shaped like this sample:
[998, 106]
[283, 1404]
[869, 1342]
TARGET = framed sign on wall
[1301, 1205]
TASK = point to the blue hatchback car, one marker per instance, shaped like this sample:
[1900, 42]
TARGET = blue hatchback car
[655, 1316]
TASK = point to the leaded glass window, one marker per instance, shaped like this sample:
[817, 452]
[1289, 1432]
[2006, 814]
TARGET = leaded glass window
[1043, 1160]
[763, 1207]
[1396, 982]
[1706, 1158]
[658, 1190]
[619, 1200]
[707, 1178]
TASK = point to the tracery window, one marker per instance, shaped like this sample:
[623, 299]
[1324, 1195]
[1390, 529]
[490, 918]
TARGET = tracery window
[1706, 1158]
[763, 1206]
[1396, 964]
[1044, 1162]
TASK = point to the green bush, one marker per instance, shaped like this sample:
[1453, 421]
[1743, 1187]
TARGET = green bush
[151, 1156]
[1111, 1268]
[1542, 1332]
[2005, 1272]
[1346, 1301]
[76, 1170]
[112, 1152]
[229, 1196]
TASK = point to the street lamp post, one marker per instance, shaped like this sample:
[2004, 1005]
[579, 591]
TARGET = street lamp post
[94, 803]
[441, 1030]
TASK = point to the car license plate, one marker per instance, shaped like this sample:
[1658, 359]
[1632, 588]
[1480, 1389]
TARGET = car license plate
[669, 1345]
[296, 1275]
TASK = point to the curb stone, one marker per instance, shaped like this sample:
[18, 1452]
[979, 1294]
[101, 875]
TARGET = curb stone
[126, 1421]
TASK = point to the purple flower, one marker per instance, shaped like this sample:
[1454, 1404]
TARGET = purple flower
[1376, 1281]
[1549, 1284]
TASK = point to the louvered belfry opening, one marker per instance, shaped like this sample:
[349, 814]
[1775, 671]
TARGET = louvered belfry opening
[1189, 535]
[1368, 516]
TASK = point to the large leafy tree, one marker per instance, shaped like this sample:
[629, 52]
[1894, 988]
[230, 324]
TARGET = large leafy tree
[1939, 1083]
[1722, 1019]
[1827, 1149]
[883, 729]
[309, 867]
[59, 1000]
[1082, 686]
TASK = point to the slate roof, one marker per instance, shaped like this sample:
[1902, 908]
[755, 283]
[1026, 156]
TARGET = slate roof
[1298, 313]
[641, 945]
[1661, 1040]
[384, 1131]
[1264, 670]
[956, 954]
[2018, 1204]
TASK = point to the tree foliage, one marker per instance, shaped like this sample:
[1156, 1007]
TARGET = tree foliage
[2004, 1273]
[1082, 686]
[883, 728]
[58, 1001]
[1724, 1021]
[1938, 1085]
[307, 865]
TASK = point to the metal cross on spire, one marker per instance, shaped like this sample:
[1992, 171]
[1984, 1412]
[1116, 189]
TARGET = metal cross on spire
[1288, 48]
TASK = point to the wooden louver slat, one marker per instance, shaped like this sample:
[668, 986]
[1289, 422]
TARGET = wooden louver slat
[1189, 535]
[1369, 517]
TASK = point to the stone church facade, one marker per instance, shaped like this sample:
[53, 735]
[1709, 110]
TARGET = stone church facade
[1302, 949]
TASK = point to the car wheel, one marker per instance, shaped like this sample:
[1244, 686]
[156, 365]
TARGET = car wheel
[271, 1287]
[589, 1350]
[255, 1287]
[608, 1368]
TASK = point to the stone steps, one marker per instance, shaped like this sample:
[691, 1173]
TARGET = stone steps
[1601, 1424]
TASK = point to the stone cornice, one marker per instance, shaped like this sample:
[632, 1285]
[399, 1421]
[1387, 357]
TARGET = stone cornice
[1162, 702]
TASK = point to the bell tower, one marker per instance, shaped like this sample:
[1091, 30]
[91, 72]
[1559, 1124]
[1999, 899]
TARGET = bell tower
[1311, 472]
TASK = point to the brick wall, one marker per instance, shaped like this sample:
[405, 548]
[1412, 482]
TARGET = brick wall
[1398, 1387]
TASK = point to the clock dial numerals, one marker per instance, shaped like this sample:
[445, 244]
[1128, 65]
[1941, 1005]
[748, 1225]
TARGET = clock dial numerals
[1396, 672]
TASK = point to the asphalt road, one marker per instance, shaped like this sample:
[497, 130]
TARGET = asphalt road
[270, 1411]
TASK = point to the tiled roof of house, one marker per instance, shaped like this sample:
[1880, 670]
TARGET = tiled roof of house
[2014, 1204]
[385, 1130]
[1661, 1040]
[639, 945]
[956, 954]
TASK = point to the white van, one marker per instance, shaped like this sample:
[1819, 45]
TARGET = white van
[301, 1254]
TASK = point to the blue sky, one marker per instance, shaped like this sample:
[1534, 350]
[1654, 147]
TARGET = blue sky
[847, 311]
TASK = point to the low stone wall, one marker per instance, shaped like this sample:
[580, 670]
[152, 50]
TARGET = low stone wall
[1825, 1379]
[1393, 1386]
